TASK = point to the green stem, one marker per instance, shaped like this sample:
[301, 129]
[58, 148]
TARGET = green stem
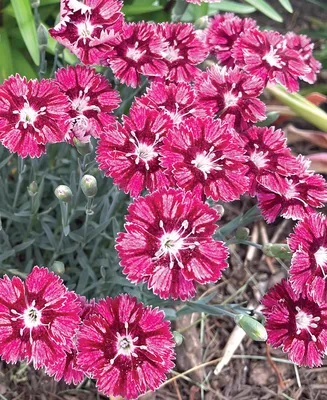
[64, 217]
[247, 242]
[43, 63]
[88, 212]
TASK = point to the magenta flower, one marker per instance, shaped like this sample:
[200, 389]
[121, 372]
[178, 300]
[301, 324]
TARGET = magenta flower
[92, 101]
[38, 318]
[294, 196]
[32, 114]
[129, 153]
[231, 92]
[222, 32]
[303, 45]
[177, 100]
[168, 243]
[86, 25]
[66, 367]
[309, 262]
[206, 157]
[296, 323]
[126, 347]
[267, 155]
[183, 51]
[137, 50]
[267, 56]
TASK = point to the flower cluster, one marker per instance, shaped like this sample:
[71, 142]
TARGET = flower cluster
[125, 346]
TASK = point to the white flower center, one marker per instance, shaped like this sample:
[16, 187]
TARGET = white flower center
[134, 53]
[259, 158]
[81, 103]
[321, 256]
[306, 321]
[231, 100]
[273, 59]
[85, 29]
[32, 317]
[126, 345]
[205, 162]
[171, 53]
[143, 151]
[28, 115]
[173, 242]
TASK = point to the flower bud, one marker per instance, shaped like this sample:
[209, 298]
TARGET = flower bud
[83, 148]
[32, 189]
[202, 22]
[253, 328]
[58, 267]
[178, 338]
[63, 193]
[89, 185]
[42, 37]
[242, 233]
[35, 3]
[220, 209]
[279, 250]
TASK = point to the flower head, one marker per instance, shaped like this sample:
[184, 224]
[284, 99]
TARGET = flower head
[222, 32]
[303, 45]
[32, 114]
[206, 157]
[168, 243]
[38, 318]
[136, 50]
[92, 100]
[296, 323]
[129, 153]
[308, 271]
[183, 51]
[293, 196]
[266, 55]
[86, 25]
[231, 92]
[267, 155]
[177, 100]
[126, 346]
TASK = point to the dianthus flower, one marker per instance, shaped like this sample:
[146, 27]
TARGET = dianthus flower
[183, 51]
[66, 367]
[38, 318]
[206, 157]
[303, 45]
[308, 271]
[296, 323]
[266, 55]
[126, 347]
[32, 114]
[129, 153]
[222, 32]
[177, 100]
[231, 92]
[92, 100]
[267, 154]
[293, 196]
[85, 25]
[168, 243]
[136, 50]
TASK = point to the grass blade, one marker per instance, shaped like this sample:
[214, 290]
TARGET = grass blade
[231, 6]
[26, 24]
[6, 65]
[265, 8]
[287, 5]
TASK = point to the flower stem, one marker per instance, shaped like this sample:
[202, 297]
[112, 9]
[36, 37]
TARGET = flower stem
[88, 212]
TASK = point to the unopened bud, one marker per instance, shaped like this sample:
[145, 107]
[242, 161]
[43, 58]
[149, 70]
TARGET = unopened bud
[58, 267]
[178, 338]
[35, 3]
[63, 193]
[279, 250]
[32, 189]
[201, 23]
[220, 209]
[242, 233]
[253, 328]
[42, 37]
[83, 148]
[89, 185]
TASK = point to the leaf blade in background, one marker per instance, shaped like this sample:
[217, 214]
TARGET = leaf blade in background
[22, 66]
[26, 24]
[287, 5]
[231, 6]
[6, 64]
[265, 8]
